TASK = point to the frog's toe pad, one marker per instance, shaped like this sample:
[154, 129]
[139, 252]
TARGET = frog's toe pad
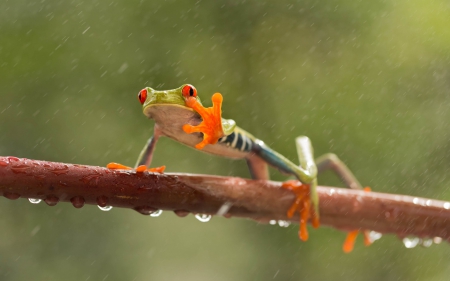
[117, 166]
[139, 169]
[302, 204]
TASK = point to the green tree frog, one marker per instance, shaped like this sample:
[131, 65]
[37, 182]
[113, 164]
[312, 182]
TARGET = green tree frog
[180, 115]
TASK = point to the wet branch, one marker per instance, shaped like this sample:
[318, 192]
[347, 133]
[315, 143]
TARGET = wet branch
[229, 196]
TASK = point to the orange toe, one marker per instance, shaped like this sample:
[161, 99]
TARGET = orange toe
[139, 169]
[211, 125]
[302, 204]
[117, 166]
[349, 243]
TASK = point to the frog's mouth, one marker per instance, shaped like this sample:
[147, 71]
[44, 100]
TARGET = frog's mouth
[164, 97]
[169, 111]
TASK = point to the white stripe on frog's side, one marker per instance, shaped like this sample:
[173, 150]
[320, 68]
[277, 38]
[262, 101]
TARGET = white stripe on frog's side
[238, 140]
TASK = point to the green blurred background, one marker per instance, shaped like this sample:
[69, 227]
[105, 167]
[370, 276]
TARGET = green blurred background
[367, 80]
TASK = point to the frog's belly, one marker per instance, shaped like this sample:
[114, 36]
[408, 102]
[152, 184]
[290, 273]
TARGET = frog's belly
[170, 120]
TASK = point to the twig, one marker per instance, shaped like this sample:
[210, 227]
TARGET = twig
[229, 196]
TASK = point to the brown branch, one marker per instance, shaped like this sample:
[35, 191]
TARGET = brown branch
[183, 193]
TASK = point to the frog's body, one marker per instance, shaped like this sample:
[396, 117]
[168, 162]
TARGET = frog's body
[170, 119]
[179, 115]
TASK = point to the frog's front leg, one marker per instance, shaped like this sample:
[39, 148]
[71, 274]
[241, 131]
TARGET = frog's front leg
[145, 157]
[211, 125]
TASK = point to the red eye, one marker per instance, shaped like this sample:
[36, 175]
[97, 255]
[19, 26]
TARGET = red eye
[142, 96]
[189, 91]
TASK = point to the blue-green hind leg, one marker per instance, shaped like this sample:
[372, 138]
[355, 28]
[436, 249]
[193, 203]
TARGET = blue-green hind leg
[330, 161]
[306, 173]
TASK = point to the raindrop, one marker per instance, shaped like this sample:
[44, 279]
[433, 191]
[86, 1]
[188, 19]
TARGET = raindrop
[224, 208]
[416, 200]
[145, 210]
[203, 217]
[181, 213]
[332, 191]
[106, 208]
[77, 202]
[427, 243]
[447, 205]
[11, 195]
[410, 242]
[51, 200]
[34, 201]
[273, 222]
[374, 236]
[102, 201]
[283, 223]
[437, 240]
[156, 213]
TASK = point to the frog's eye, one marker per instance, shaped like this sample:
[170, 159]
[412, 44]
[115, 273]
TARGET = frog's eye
[142, 96]
[189, 91]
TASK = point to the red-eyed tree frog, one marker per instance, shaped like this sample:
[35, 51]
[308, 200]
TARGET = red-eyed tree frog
[180, 115]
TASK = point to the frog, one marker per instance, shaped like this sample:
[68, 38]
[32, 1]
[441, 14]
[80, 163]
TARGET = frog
[180, 115]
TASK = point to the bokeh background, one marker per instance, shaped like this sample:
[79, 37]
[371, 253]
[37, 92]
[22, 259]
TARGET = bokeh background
[367, 80]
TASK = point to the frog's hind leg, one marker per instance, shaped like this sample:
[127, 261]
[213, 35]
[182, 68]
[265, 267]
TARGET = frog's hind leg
[330, 161]
[307, 201]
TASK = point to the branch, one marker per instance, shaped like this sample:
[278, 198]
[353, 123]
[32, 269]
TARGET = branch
[344, 209]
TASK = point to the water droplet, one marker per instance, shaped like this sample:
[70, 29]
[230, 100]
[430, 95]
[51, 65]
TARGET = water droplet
[156, 213]
[87, 179]
[283, 223]
[224, 208]
[51, 200]
[102, 201]
[203, 217]
[21, 168]
[447, 205]
[332, 191]
[227, 215]
[428, 203]
[105, 208]
[374, 236]
[416, 200]
[410, 242]
[437, 240]
[60, 171]
[11, 195]
[427, 243]
[181, 213]
[273, 222]
[34, 201]
[145, 210]
[77, 202]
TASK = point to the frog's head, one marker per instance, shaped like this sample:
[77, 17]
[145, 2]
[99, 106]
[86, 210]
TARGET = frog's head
[149, 97]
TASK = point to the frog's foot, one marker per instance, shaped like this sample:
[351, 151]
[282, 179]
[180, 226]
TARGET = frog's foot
[351, 238]
[349, 242]
[211, 126]
[302, 204]
[140, 169]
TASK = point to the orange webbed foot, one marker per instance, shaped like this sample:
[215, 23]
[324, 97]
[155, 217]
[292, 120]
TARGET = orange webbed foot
[211, 126]
[140, 169]
[349, 242]
[302, 204]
